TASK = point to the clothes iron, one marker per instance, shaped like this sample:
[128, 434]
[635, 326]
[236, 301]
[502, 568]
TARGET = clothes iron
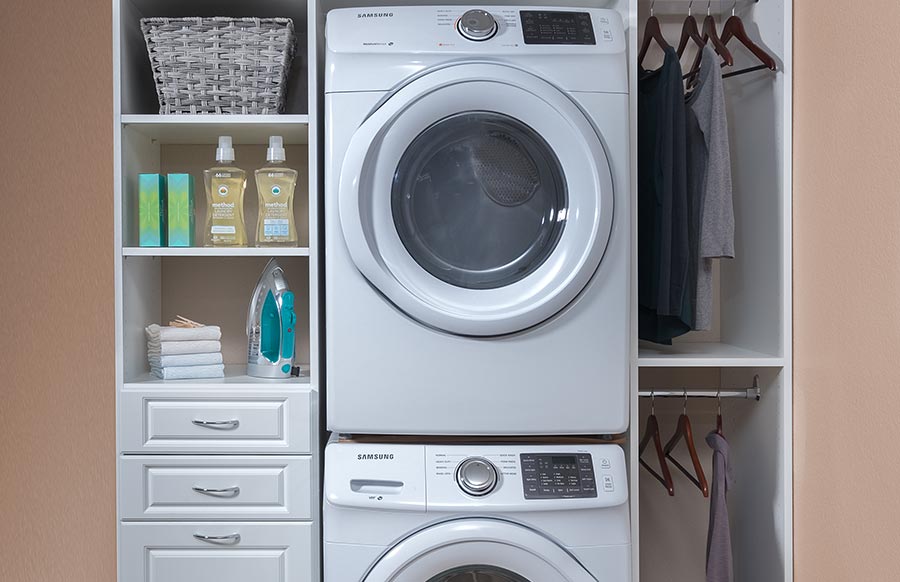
[270, 325]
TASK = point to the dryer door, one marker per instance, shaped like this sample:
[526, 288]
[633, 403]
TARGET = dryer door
[477, 550]
[477, 198]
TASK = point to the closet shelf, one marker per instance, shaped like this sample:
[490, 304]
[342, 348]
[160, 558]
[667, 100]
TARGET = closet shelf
[235, 378]
[215, 252]
[704, 355]
[206, 129]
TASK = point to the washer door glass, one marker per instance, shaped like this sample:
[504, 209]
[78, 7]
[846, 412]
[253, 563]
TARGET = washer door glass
[477, 550]
[478, 574]
[478, 200]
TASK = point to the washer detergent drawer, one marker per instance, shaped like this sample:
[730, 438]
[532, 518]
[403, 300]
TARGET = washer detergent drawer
[224, 487]
[216, 422]
[216, 552]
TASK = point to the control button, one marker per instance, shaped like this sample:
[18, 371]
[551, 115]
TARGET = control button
[608, 484]
[476, 476]
[477, 25]
[605, 464]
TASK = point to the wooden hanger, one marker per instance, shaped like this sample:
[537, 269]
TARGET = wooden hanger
[709, 35]
[734, 28]
[652, 432]
[684, 431]
[690, 31]
[652, 31]
[719, 430]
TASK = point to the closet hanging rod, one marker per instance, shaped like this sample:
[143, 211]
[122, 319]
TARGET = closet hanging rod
[680, 7]
[751, 393]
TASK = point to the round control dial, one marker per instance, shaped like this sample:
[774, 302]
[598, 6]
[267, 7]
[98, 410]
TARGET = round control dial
[477, 25]
[476, 476]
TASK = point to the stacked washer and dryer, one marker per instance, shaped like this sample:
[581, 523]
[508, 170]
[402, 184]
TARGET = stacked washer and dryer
[478, 247]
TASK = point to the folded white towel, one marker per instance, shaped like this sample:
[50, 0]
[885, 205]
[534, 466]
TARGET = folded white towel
[156, 348]
[185, 360]
[181, 334]
[189, 372]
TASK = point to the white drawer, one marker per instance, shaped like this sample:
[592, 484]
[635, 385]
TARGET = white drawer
[209, 422]
[172, 552]
[213, 488]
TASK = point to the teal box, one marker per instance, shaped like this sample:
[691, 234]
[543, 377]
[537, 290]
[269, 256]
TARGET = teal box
[180, 216]
[152, 210]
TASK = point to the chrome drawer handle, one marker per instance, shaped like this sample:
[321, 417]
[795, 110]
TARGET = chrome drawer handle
[218, 424]
[224, 492]
[229, 539]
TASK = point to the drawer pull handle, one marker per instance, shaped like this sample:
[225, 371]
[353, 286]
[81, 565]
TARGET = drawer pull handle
[224, 492]
[218, 424]
[234, 538]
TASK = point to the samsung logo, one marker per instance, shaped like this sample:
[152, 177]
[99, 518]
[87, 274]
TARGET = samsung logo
[375, 15]
[375, 457]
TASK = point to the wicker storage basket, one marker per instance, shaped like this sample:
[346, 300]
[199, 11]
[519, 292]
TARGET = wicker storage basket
[220, 65]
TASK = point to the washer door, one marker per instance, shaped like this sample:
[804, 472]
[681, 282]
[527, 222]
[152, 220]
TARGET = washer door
[477, 198]
[477, 550]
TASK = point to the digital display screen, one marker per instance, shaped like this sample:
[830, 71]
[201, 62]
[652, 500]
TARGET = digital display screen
[552, 27]
[563, 461]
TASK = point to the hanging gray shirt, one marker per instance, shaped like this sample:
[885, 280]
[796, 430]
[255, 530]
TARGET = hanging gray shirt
[716, 206]
[718, 542]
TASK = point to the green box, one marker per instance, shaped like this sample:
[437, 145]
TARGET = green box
[180, 217]
[152, 210]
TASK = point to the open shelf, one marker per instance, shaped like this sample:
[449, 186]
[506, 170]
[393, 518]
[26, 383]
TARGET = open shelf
[138, 91]
[151, 146]
[703, 355]
[210, 289]
[236, 378]
[215, 252]
[206, 129]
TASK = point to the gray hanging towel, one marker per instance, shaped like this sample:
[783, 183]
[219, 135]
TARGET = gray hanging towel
[718, 542]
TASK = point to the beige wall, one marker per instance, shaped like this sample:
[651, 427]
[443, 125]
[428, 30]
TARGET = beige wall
[846, 290]
[57, 465]
[57, 390]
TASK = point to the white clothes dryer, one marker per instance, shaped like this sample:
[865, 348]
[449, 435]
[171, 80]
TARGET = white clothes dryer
[477, 221]
[490, 513]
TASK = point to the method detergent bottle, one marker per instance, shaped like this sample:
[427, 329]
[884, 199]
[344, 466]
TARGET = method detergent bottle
[225, 186]
[275, 184]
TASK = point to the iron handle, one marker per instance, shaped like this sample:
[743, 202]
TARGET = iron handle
[234, 538]
[218, 424]
[225, 491]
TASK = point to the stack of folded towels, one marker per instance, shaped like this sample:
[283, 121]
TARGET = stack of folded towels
[179, 353]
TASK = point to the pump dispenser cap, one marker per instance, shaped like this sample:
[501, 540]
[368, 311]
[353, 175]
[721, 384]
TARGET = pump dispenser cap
[225, 151]
[275, 153]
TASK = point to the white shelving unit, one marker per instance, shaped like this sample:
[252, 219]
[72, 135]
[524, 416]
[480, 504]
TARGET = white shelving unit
[268, 460]
[751, 334]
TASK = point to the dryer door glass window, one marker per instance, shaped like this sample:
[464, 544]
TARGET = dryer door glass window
[479, 200]
[478, 574]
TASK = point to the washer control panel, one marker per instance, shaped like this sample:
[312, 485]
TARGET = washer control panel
[558, 475]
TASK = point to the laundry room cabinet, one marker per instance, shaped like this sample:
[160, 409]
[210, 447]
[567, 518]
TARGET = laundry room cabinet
[200, 499]
[270, 531]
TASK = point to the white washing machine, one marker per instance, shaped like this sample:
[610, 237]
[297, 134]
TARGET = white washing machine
[477, 221]
[491, 513]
